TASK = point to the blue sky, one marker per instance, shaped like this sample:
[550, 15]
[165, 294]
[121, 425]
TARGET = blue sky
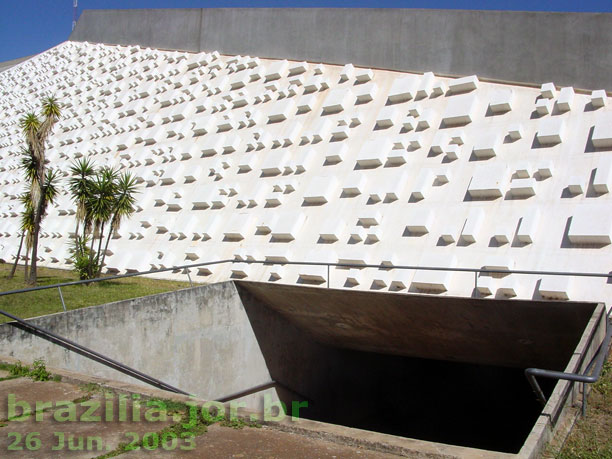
[32, 26]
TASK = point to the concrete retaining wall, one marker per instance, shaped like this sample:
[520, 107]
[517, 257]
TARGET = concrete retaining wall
[534, 47]
[224, 338]
[199, 340]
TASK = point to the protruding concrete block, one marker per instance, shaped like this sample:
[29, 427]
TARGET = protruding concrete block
[320, 190]
[486, 146]
[460, 110]
[548, 90]
[434, 281]
[336, 152]
[498, 263]
[602, 181]
[488, 181]
[402, 89]
[485, 285]
[331, 230]
[338, 99]
[238, 226]
[528, 227]
[576, 185]
[363, 75]
[565, 99]
[545, 169]
[502, 233]
[426, 84]
[452, 152]
[473, 225]
[523, 187]
[590, 227]
[422, 184]
[522, 170]
[551, 131]
[277, 70]
[501, 101]
[347, 72]
[515, 132]
[274, 163]
[388, 116]
[465, 84]
[297, 68]
[554, 287]
[599, 98]
[544, 106]
[370, 218]
[427, 119]
[602, 132]
[281, 110]
[365, 92]
[419, 221]
[320, 131]
[374, 152]
[508, 288]
[354, 184]
[287, 229]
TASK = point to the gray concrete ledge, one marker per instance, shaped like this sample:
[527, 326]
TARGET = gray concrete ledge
[570, 49]
[12, 63]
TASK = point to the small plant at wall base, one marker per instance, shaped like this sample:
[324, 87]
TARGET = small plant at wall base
[38, 372]
[104, 198]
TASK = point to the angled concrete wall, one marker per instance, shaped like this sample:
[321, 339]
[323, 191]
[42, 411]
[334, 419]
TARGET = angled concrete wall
[533, 47]
[12, 63]
[350, 354]
[199, 340]
[242, 158]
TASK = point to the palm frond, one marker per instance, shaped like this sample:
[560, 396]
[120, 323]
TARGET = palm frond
[30, 125]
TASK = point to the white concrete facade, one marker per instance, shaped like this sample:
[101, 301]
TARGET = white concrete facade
[247, 158]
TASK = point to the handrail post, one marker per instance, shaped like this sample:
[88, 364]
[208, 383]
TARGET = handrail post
[584, 399]
[62, 298]
[476, 280]
[327, 275]
[189, 277]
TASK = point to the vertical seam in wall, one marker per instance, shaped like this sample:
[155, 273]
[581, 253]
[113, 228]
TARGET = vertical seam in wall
[200, 31]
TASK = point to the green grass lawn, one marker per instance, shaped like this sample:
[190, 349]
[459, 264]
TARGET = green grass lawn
[42, 302]
[591, 437]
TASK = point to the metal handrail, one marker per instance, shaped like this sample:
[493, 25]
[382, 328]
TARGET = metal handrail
[93, 355]
[598, 360]
[389, 267]
[530, 373]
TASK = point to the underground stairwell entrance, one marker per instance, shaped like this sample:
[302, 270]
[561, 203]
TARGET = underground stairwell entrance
[418, 368]
[447, 370]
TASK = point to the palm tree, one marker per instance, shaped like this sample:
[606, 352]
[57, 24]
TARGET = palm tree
[50, 192]
[27, 219]
[36, 134]
[123, 207]
[99, 209]
[80, 185]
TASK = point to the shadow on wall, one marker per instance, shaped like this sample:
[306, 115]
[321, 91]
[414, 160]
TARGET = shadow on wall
[453, 403]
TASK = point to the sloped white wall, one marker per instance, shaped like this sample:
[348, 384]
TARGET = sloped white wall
[249, 158]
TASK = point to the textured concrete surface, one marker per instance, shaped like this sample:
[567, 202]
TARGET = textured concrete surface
[25, 389]
[521, 334]
[13, 62]
[224, 442]
[287, 439]
[523, 183]
[84, 437]
[533, 47]
[338, 350]
[198, 340]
